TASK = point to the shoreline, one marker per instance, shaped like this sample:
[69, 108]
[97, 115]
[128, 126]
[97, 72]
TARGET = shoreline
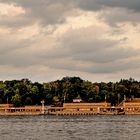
[65, 114]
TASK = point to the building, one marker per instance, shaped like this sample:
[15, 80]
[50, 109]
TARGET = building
[132, 106]
[86, 105]
[9, 109]
[77, 99]
[80, 108]
[6, 105]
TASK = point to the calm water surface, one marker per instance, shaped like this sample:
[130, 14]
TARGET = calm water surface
[70, 128]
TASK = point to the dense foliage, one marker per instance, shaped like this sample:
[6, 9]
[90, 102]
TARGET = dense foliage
[24, 92]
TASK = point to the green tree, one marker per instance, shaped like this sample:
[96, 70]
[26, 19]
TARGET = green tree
[16, 100]
[28, 101]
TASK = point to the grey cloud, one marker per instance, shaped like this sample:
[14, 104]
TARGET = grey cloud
[55, 11]
[76, 53]
[118, 15]
[96, 55]
[94, 68]
[88, 47]
[44, 11]
[19, 59]
[105, 56]
[11, 44]
[84, 4]
[114, 11]
[77, 50]
[99, 4]
[15, 52]
[16, 22]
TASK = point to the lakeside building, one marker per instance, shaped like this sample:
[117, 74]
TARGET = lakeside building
[81, 108]
[75, 108]
[9, 109]
[78, 106]
[132, 106]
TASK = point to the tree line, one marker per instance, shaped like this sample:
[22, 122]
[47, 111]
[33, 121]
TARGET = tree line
[24, 92]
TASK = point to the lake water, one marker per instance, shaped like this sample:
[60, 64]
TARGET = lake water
[70, 127]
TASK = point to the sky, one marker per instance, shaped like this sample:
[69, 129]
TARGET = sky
[46, 40]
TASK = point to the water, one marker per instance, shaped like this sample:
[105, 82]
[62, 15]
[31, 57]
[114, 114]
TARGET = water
[70, 127]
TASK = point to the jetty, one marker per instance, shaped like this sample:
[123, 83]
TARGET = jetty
[9, 110]
[75, 108]
[85, 109]
[101, 108]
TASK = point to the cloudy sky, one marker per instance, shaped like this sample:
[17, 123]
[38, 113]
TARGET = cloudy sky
[45, 40]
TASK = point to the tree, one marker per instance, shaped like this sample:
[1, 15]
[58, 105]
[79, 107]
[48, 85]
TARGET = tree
[2, 89]
[16, 100]
[28, 101]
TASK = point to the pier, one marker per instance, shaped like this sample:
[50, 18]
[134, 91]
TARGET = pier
[101, 108]
[80, 108]
[9, 109]
[86, 111]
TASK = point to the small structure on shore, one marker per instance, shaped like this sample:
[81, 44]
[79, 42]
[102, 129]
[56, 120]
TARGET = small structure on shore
[77, 99]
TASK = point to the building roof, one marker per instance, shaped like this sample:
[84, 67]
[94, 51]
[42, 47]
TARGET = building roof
[133, 100]
[77, 99]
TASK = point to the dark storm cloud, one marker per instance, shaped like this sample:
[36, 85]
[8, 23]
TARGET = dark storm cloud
[85, 4]
[55, 11]
[114, 11]
[98, 4]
